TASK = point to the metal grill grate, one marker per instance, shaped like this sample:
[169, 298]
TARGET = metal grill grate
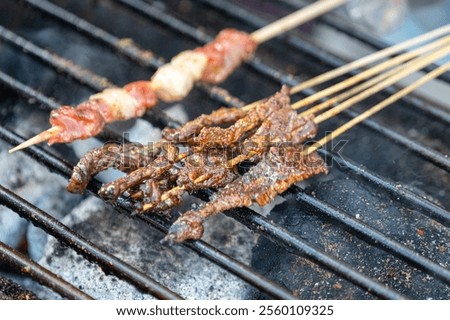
[276, 233]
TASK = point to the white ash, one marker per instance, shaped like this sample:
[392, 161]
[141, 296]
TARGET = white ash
[32, 182]
[177, 112]
[177, 267]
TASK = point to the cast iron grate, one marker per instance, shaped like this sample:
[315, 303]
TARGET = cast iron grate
[185, 29]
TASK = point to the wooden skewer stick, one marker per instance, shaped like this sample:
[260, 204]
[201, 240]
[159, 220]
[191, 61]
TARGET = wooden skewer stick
[362, 62]
[371, 58]
[380, 106]
[374, 85]
[349, 93]
[41, 137]
[369, 73]
[414, 66]
[295, 19]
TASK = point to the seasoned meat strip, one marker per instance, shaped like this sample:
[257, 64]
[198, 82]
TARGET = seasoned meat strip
[126, 158]
[216, 137]
[275, 173]
[152, 170]
[216, 118]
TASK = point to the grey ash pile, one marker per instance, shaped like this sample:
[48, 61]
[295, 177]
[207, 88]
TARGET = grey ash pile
[177, 267]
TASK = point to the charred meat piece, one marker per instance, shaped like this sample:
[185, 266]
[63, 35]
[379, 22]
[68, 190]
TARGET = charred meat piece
[218, 117]
[153, 170]
[126, 158]
[207, 169]
[216, 136]
[275, 173]
[283, 125]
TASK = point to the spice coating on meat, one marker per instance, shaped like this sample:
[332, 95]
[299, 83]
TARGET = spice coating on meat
[126, 158]
[280, 168]
[207, 169]
[152, 170]
[225, 53]
[215, 136]
[218, 117]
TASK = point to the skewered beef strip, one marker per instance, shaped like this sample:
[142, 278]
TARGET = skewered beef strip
[216, 137]
[153, 170]
[225, 53]
[218, 117]
[126, 158]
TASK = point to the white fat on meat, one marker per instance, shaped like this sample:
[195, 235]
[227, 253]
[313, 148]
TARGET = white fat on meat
[120, 103]
[174, 80]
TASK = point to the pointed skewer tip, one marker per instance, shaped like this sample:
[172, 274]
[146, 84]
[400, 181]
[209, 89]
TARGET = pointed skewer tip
[41, 137]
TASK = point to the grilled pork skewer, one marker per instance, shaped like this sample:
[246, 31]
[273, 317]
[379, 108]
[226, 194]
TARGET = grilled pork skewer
[211, 63]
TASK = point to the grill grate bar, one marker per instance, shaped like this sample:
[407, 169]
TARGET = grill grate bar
[283, 237]
[45, 277]
[374, 236]
[108, 262]
[434, 157]
[408, 197]
[133, 52]
[367, 39]
[28, 92]
[130, 50]
[213, 254]
[61, 167]
[83, 75]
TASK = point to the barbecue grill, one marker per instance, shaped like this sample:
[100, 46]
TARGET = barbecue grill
[376, 227]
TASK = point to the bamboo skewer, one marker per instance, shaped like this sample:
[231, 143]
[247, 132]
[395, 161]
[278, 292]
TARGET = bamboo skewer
[378, 107]
[41, 137]
[291, 21]
[376, 84]
[370, 72]
[371, 58]
[418, 64]
[324, 105]
[332, 74]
